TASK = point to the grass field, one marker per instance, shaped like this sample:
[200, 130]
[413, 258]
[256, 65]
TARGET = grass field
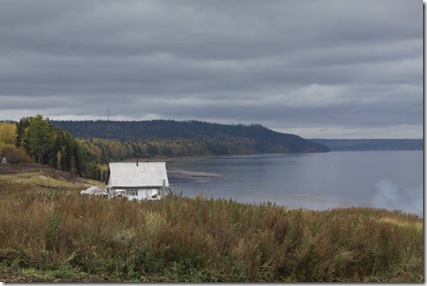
[48, 232]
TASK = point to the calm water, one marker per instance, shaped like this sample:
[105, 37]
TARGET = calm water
[382, 179]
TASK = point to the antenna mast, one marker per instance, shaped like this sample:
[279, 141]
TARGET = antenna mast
[108, 130]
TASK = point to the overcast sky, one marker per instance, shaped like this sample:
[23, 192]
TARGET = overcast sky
[318, 69]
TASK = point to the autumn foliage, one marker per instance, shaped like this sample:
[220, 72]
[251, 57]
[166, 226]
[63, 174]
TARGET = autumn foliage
[202, 240]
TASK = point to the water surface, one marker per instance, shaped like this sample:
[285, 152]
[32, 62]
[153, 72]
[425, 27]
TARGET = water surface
[382, 179]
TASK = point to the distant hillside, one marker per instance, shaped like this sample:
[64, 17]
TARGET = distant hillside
[371, 144]
[216, 138]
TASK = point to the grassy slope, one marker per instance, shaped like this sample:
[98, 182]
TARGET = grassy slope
[49, 234]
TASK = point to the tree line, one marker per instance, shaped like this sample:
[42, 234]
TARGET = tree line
[218, 138]
[105, 150]
[35, 139]
[38, 139]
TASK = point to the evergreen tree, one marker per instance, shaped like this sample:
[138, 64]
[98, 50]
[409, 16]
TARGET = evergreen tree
[40, 138]
[22, 132]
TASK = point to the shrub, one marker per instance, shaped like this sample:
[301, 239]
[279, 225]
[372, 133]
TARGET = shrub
[204, 239]
[14, 155]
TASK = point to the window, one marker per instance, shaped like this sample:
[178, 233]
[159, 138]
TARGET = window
[130, 193]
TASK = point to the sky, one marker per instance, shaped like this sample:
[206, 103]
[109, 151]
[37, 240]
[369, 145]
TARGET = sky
[319, 69]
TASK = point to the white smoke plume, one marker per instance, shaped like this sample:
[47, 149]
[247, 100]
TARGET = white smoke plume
[388, 196]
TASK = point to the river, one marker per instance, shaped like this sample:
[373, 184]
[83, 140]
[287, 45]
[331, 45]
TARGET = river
[379, 179]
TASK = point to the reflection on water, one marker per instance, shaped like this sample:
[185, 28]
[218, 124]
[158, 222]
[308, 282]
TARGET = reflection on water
[383, 179]
[192, 176]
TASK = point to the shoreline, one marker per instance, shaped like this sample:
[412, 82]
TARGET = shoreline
[173, 159]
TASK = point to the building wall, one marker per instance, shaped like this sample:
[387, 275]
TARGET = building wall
[142, 193]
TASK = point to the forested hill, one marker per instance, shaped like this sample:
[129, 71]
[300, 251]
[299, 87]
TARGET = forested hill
[241, 138]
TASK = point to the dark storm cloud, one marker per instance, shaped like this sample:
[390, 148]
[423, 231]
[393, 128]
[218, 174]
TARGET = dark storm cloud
[342, 64]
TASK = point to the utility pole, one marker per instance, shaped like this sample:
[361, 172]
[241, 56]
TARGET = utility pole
[108, 129]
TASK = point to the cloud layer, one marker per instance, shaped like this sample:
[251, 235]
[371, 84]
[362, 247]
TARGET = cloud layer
[309, 67]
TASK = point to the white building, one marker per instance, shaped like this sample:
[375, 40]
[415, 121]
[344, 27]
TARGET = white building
[140, 181]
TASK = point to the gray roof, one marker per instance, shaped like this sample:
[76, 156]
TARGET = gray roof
[146, 174]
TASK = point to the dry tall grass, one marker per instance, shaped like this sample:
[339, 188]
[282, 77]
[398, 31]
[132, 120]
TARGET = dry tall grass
[204, 239]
